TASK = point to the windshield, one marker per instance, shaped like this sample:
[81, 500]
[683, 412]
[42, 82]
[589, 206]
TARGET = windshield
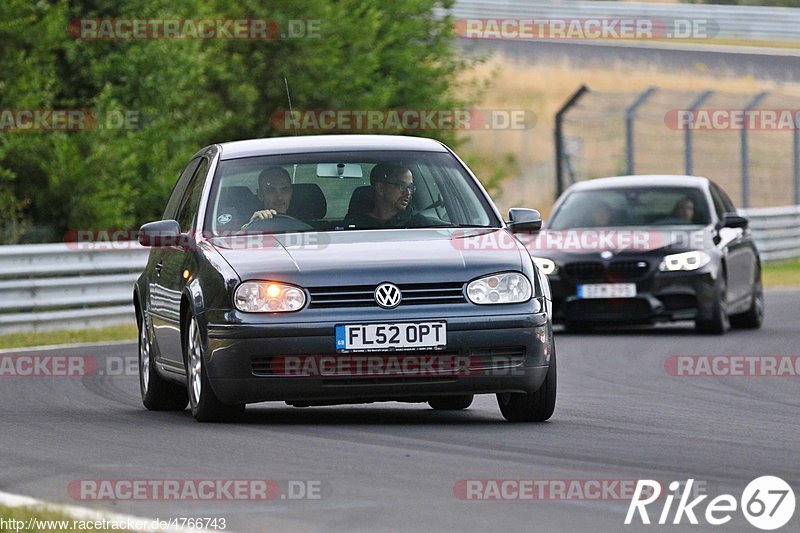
[632, 206]
[337, 191]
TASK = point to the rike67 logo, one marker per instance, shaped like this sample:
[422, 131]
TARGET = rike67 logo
[767, 502]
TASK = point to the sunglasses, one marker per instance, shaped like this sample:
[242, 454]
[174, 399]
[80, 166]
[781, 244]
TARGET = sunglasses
[411, 188]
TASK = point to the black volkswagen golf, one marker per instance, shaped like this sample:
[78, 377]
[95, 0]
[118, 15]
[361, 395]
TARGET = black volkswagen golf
[322, 270]
[644, 249]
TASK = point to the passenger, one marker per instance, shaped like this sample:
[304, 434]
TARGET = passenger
[392, 186]
[601, 215]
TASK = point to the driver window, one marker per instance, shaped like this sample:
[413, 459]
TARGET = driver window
[191, 199]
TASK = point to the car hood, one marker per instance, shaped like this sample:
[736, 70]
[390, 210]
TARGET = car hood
[589, 242]
[369, 257]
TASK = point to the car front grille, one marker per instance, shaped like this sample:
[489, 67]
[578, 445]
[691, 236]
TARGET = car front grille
[611, 272]
[364, 295]
[480, 360]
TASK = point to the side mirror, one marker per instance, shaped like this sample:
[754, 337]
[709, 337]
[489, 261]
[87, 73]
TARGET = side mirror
[732, 220]
[160, 234]
[524, 220]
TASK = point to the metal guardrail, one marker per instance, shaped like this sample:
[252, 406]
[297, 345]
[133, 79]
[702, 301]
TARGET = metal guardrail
[65, 286]
[776, 231]
[62, 286]
[734, 22]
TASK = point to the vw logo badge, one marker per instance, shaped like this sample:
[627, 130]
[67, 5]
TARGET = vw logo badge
[605, 254]
[388, 296]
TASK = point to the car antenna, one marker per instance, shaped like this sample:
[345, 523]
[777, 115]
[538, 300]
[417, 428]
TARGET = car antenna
[291, 112]
[294, 126]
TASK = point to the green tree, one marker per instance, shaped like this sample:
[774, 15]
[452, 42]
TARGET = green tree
[183, 94]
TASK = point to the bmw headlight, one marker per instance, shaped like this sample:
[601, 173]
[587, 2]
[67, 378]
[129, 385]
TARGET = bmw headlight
[268, 297]
[505, 288]
[684, 261]
[547, 266]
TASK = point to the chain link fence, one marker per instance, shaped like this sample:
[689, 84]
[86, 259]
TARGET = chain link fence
[747, 143]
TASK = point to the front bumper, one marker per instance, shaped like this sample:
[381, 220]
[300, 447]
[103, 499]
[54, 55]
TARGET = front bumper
[660, 297]
[504, 353]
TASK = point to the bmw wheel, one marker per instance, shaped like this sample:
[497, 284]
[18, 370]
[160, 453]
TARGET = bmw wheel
[754, 316]
[718, 323]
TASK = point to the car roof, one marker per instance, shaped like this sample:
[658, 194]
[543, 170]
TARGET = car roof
[646, 180]
[327, 143]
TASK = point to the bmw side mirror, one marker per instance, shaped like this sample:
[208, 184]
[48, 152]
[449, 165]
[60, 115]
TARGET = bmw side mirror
[524, 220]
[160, 234]
[732, 220]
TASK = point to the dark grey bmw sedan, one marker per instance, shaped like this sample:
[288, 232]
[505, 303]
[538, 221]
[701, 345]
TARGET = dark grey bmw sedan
[323, 270]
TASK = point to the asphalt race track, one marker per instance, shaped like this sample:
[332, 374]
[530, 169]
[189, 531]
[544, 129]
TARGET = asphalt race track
[620, 416]
[760, 63]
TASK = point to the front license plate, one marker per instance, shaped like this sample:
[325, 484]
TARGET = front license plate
[607, 290]
[401, 336]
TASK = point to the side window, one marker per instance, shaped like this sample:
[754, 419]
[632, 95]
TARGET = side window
[719, 206]
[726, 201]
[191, 199]
[180, 187]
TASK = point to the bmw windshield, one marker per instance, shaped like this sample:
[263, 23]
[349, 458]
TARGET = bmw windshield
[336, 191]
[632, 206]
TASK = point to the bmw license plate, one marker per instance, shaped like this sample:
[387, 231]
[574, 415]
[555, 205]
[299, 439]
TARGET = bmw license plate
[607, 290]
[399, 336]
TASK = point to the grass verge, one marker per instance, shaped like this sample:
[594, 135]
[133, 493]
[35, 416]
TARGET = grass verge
[733, 42]
[67, 336]
[28, 519]
[781, 273]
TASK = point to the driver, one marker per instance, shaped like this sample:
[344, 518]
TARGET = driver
[684, 209]
[275, 191]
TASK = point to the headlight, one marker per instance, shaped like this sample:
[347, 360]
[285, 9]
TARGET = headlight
[506, 288]
[684, 261]
[268, 297]
[547, 266]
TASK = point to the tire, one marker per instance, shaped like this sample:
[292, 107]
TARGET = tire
[719, 322]
[754, 316]
[158, 394]
[205, 405]
[532, 407]
[451, 403]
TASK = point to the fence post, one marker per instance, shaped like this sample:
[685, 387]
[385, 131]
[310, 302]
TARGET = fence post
[796, 154]
[745, 147]
[559, 138]
[688, 132]
[630, 117]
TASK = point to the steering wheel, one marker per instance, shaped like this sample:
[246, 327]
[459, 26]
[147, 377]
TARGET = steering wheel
[279, 223]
